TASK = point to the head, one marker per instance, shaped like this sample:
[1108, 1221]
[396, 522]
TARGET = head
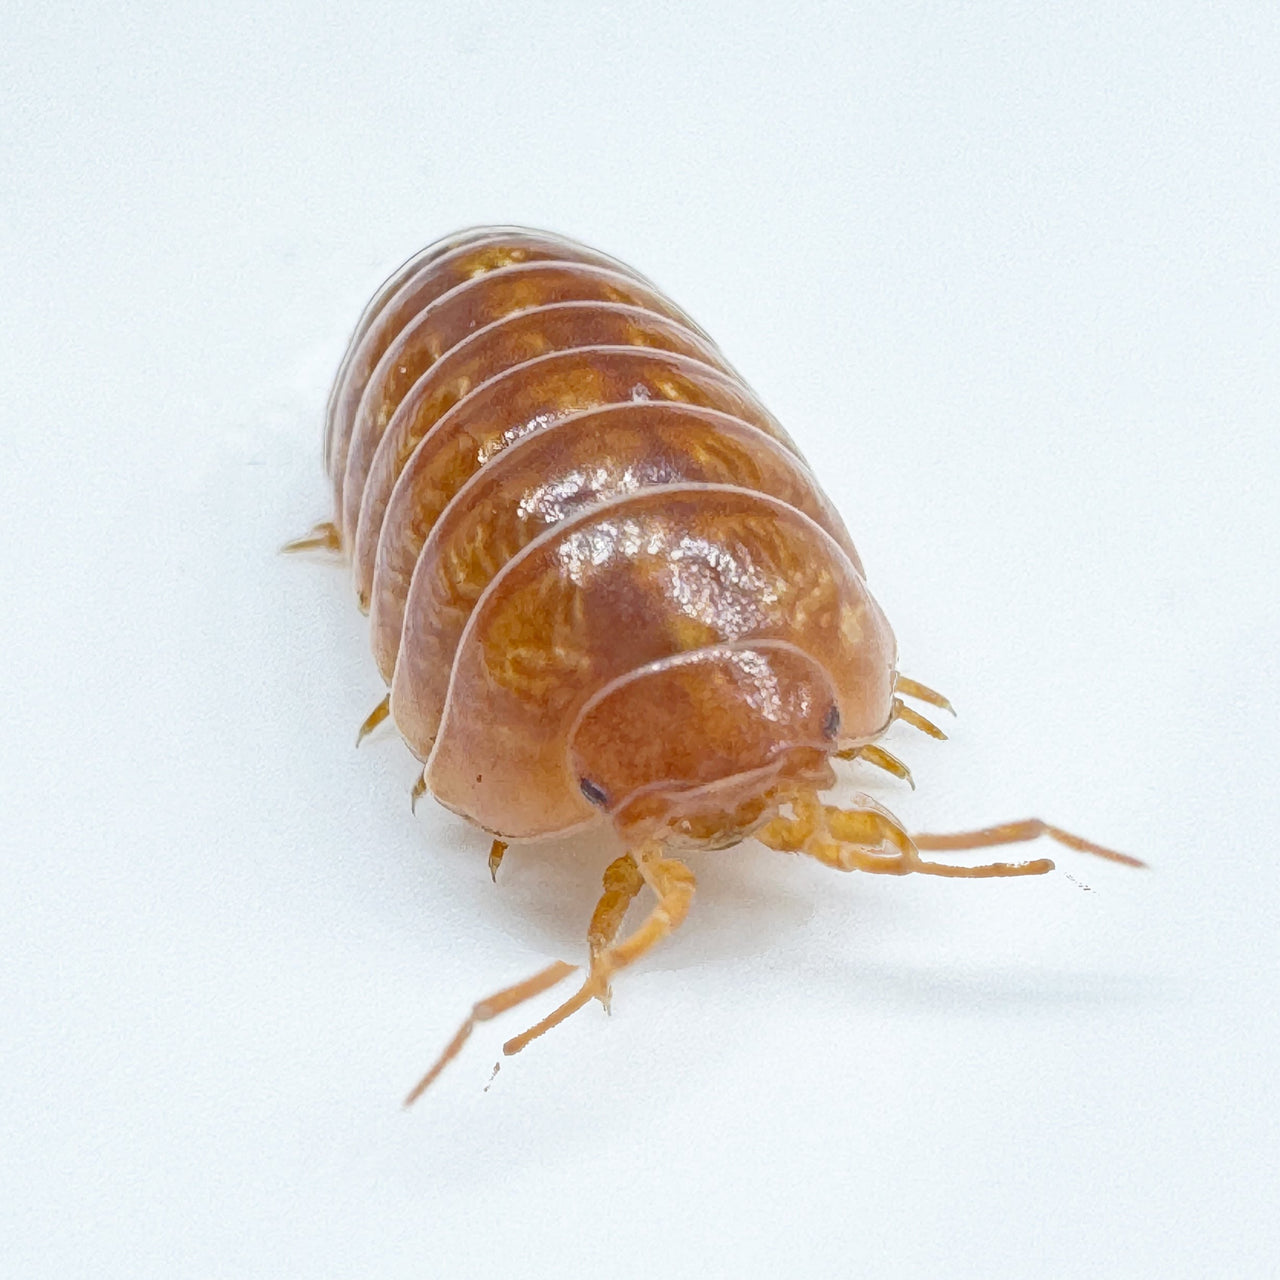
[702, 747]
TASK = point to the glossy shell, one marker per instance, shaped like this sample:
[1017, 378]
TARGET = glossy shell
[564, 509]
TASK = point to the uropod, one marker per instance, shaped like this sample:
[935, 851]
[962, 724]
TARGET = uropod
[604, 585]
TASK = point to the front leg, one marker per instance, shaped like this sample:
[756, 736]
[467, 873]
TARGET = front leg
[673, 883]
[869, 840]
[622, 881]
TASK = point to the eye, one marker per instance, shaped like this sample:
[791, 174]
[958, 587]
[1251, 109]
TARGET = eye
[831, 725]
[593, 793]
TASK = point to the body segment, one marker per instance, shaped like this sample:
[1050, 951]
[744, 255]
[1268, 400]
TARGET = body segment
[507, 408]
[661, 572]
[552, 475]
[423, 279]
[483, 355]
[457, 315]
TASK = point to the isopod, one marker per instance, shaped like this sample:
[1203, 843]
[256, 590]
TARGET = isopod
[604, 585]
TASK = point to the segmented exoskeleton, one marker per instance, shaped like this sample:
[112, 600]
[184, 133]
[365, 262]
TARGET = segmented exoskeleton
[603, 583]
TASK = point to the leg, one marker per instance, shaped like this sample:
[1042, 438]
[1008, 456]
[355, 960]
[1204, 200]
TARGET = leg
[673, 883]
[904, 713]
[622, 881]
[324, 537]
[869, 840]
[1013, 832]
[879, 757]
[497, 851]
[488, 1008]
[922, 693]
[374, 719]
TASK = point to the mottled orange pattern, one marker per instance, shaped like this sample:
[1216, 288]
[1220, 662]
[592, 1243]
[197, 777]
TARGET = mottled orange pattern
[603, 583]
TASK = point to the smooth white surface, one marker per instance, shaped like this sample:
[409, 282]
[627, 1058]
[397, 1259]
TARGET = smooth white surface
[1010, 276]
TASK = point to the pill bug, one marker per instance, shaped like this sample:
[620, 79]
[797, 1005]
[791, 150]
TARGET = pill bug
[604, 584]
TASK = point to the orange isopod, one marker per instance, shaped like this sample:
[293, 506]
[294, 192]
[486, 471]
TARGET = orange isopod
[605, 585]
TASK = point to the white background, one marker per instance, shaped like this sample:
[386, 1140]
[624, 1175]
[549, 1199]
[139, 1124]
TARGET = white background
[1009, 273]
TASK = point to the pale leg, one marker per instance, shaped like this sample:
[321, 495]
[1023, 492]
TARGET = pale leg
[869, 840]
[374, 719]
[324, 537]
[673, 883]
[622, 881]
[1014, 832]
[922, 692]
[879, 757]
[488, 1008]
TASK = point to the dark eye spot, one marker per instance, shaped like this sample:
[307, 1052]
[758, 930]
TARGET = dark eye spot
[831, 725]
[593, 793]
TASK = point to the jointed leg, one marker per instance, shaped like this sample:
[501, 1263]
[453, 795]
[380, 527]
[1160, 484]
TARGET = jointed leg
[374, 719]
[1013, 833]
[673, 883]
[324, 537]
[879, 757]
[912, 717]
[623, 879]
[488, 1008]
[870, 840]
[497, 851]
[922, 693]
